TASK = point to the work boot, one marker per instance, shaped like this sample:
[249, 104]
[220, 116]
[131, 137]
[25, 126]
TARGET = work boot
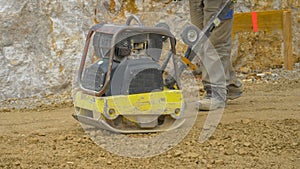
[234, 90]
[213, 100]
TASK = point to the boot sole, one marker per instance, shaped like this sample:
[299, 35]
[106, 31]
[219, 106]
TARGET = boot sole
[235, 96]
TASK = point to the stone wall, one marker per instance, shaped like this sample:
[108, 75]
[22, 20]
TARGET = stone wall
[41, 40]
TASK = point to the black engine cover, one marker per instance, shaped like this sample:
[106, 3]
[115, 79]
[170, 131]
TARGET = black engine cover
[135, 76]
[95, 75]
[131, 76]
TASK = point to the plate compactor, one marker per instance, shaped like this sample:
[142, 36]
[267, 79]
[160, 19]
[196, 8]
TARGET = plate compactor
[125, 90]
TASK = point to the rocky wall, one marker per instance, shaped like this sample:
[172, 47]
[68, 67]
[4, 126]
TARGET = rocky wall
[41, 40]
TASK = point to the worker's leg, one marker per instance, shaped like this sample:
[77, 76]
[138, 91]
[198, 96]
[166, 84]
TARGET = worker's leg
[196, 13]
[197, 18]
[222, 41]
[216, 76]
[215, 85]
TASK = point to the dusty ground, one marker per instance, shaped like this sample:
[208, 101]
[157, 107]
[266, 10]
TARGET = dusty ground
[259, 130]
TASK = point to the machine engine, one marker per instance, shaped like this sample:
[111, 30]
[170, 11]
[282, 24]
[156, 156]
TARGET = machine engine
[134, 69]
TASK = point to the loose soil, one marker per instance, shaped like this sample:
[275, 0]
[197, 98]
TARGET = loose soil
[259, 130]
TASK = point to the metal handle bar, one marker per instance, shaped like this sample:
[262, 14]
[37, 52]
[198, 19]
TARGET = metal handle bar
[136, 18]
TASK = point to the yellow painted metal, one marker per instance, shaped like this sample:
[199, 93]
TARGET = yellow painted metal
[154, 103]
[189, 63]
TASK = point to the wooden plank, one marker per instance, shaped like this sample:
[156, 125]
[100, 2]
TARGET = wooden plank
[287, 40]
[277, 20]
[267, 21]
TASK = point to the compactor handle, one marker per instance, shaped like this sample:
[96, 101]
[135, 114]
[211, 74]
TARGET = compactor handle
[136, 18]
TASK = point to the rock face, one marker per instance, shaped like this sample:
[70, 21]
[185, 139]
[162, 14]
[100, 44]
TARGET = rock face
[41, 41]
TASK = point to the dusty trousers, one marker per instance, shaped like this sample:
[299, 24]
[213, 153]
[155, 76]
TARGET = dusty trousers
[216, 66]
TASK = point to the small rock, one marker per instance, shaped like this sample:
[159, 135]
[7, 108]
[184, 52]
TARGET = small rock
[294, 144]
[247, 144]
[230, 128]
[220, 143]
[34, 140]
[178, 153]
[247, 80]
[203, 161]
[109, 163]
[62, 137]
[79, 140]
[262, 75]
[219, 162]
[245, 70]
[242, 151]
[41, 134]
[273, 164]
[213, 142]
[191, 155]
[234, 139]
[246, 121]
[229, 151]
[209, 166]
[17, 163]
[221, 148]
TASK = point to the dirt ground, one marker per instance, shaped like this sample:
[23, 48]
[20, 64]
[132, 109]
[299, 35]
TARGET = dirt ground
[259, 130]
